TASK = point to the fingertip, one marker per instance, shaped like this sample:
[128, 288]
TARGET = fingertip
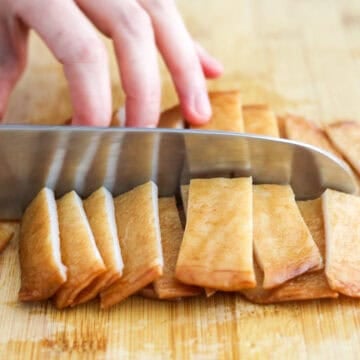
[213, 69]
[198, 111]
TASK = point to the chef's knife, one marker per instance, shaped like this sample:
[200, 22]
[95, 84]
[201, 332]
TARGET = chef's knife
[83, 159]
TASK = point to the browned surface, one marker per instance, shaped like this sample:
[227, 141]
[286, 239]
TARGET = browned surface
[297, 56]
[140, 242]
[99, 209]
[171, 118]
[42, 271]
[226, 112]
[342, 228]
[260, 120]
[346, 138]
[216, 251]
[308, 286]
[7, 231]
[167, 286]
[78, 250]
[303, 130]
[284, 247]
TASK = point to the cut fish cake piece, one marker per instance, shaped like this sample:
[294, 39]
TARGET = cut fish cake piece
[284, 247]
[137, 220]
[42, 271]
[7, 231]
[171, 118]
[99, 209]
[226, 112]
[217, 248]
[302, 130]
[311, 285]
[148, 292]
[184, 190]
[167, 286]
[342, 231]
[346, 138]
[260, 120]
[78, 250]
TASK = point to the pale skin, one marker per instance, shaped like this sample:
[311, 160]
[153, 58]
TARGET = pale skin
[138, 28]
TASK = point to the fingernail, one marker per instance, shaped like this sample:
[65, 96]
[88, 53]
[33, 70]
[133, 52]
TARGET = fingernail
[202, 105]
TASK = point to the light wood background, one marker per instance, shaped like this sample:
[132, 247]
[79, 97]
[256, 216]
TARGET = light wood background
[299, 56]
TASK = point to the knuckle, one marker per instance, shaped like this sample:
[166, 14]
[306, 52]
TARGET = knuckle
[145, 95]
[85, 50]
[133, 20]
[158, 5]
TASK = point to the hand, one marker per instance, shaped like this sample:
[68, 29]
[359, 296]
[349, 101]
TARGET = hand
[137, 27]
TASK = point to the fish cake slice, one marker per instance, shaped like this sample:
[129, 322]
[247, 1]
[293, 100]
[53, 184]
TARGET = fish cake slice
[7, 231]
[118, 117]
[260, 120]
[137, 221]
[167, 286]
[311, 285]
[226, 112]
[78, 250]
[42, 271]
[302, 130]
[217, 249]
[148, 292]
[346, 138]
[171, 118]
[284, 247]
[184, 190]
[342, 233]
[99, 209]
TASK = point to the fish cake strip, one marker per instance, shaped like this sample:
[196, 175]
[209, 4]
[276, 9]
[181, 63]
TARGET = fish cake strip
[260, 120]
[217, 248]
[148, 292]
[184, 191]
[99, 209]
[346, 138]
[137, 221]
[167, 286]
[42, 270]
[302, 130]
[78, 250]
[171, 118]
[7, 231]
[226, 112]
[284, 247]
[311, 285]
[342, 233]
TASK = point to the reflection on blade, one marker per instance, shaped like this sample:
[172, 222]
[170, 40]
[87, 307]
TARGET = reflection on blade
[84, 159]
[271, 162]
[78, 157]
[214, 156]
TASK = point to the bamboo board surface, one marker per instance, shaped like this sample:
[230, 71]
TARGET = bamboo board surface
[299, 56]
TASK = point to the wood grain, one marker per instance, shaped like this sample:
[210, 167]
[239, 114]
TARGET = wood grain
[298, 56]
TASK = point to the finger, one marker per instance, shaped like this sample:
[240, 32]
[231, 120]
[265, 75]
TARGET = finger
[130, 27]
[212, 68]
[13, 44]
[178, 51]
[74, 42]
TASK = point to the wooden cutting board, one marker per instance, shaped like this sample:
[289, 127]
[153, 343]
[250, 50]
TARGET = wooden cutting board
[301, 56]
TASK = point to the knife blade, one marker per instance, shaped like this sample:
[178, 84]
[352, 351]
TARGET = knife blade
[83, 159]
